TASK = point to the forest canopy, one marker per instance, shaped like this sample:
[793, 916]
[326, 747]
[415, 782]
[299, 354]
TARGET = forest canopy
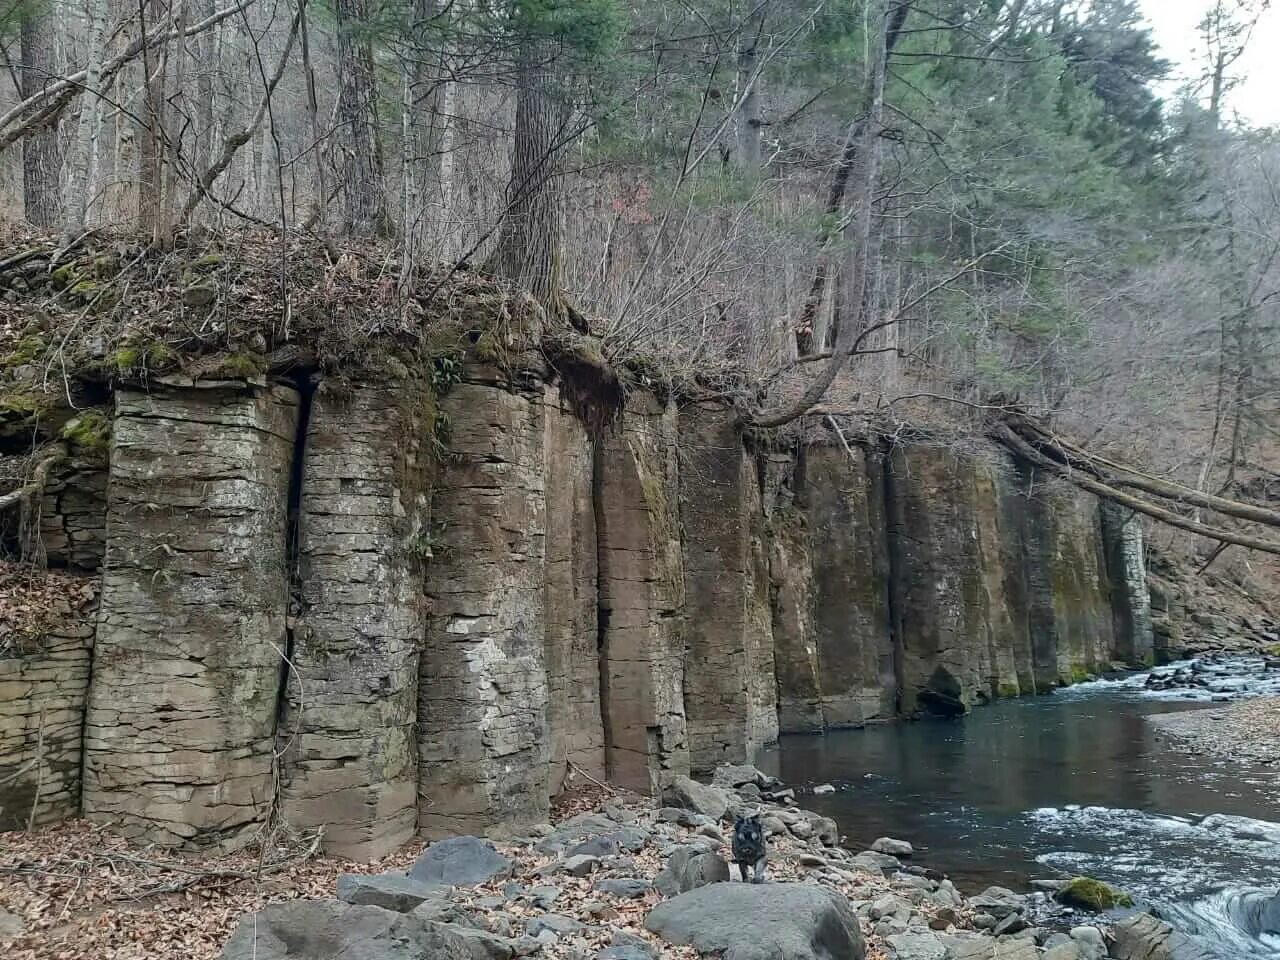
[830, 207]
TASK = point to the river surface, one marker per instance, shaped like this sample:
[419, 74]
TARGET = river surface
[1061, 785]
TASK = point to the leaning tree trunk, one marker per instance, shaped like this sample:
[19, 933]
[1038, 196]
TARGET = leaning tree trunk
[41, 150]
[364, 195]
[528, 247]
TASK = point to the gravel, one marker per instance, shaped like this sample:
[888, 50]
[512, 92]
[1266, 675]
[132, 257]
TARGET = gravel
[1246, 731]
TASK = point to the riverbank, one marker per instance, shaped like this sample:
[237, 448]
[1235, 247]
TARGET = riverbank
[1247, 731]
[578, 889]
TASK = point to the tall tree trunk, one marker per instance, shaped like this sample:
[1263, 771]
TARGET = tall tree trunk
[153, 21]
[747, 157]
[85, 144]
[364, 195]
[42, 149]
[528, 248]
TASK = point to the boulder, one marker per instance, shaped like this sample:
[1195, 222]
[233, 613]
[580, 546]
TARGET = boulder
[876, 863]
[580, 865]
[628, 888]
[1089, 894]
[776, 921]
[575, 830]
[916, 946]
[331, 929]
[1144, 937]
[460, 861]
[735, 776]
[689, 868]
[554, 922]
[688, 794]
[892, 847]
[391, 891]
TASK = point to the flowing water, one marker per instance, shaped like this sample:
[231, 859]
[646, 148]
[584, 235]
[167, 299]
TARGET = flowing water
[1062, 785]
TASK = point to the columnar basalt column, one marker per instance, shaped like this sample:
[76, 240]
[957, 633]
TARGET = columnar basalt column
[850, 584]
[1130, 595]
[730, 694]
[641, 596]
[181, 720]
[573, 674]
[482, 706]
[348, 737]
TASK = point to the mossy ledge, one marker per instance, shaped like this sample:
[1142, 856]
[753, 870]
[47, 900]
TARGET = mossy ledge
[1090, 894]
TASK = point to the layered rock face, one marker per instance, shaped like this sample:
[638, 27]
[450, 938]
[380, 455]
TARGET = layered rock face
[382, 611]
[180, 728]
[730, 692]
[42, 697]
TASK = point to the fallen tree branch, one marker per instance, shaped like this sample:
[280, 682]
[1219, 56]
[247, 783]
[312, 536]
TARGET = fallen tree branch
[1126, 476]
[1004, 435]
[28, 492]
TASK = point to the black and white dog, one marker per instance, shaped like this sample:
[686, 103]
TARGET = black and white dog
[748, 847]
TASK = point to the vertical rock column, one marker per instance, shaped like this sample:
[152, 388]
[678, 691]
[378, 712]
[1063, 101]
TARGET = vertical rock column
[730, 691]
[939, 601]
[42, 696]
[182, 708]
[850, 585]
[1068, 596]
[348, 743]
[573, 675]
[482, 702]
[1130, 595]
[641, 595]
[1000, 550]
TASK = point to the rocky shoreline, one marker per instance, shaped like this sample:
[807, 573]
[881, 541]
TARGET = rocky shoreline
[1247, 731]
[625, 879]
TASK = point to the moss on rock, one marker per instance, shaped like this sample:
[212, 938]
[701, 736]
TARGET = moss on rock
[1090, 894]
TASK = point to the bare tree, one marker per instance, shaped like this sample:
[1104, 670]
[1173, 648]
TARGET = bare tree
[42, 151]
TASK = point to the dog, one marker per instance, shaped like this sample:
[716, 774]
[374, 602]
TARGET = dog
[749, 847]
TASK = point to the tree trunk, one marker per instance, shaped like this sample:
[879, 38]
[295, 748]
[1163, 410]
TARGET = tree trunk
[528, 248]
[42, 149]
[364, 195]
[85, 144]
[748, 120]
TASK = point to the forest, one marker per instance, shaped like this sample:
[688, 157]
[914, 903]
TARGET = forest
[885, 207]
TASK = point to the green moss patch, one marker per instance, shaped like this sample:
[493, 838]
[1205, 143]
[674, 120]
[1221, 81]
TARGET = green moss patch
[1089, 894]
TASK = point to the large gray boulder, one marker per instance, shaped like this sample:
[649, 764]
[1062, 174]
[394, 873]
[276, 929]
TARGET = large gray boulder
[770, 921]
[1144, 937]
[689, 868]
[460, 862]
[688, 794]
[333, 930]
[391, 891]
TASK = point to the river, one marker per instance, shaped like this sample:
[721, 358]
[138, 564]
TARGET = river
[1060, 785]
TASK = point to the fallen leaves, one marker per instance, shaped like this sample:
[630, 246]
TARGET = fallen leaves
[34, 601]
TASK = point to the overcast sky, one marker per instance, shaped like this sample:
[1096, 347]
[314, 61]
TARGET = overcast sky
[1257, 99]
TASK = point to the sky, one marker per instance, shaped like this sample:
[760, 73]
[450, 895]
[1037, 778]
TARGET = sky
[1257, 99]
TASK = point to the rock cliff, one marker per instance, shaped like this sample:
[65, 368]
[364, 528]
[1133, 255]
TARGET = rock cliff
[420, 604]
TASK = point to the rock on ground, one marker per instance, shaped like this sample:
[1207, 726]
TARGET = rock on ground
[775, 921]
[689, 868]
[892, 847]
[688, 794]
[460, 861]
[391, 891]
[332, 930]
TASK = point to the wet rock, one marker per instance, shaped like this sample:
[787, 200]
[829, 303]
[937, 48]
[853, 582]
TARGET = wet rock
[1089, 894]
[628, 888]
[689, 868]
[823, 789]
[1144, 937]
[892, 847]
[391, 891]
[460, 861]
[1090, 941]
[1013, 923]
[688, 794]
[916, 946]
[761, 922]
[333, 930]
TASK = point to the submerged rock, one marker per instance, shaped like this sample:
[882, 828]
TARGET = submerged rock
[796, 921]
